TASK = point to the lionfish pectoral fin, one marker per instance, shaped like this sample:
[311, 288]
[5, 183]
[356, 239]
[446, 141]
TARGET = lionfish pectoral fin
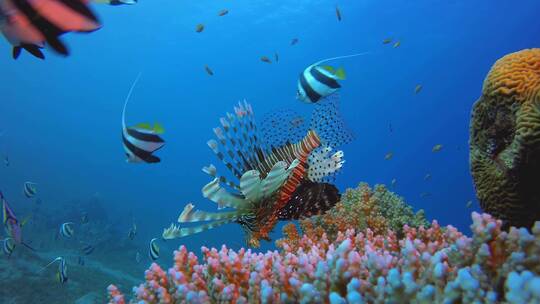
[189, 215]
[174, 232]
[214, 192]
[250, 185]
[275, 178]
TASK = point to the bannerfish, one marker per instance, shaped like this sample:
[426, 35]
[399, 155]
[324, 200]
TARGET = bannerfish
[11, 223]
[132, 232]
[317, 82]
[208, 70]
[154, 249]
[31, 25]
[437, 148]
[88, 249]
[8, 245]
[387, 41]
[294, 41]
[397, 44]
[137, 257]
[266, 59]
[29, 189]
[66, 230]
[117, 2]
[276, 56]
[141, 140]
[199, 28]
[417, 89]
[338, 13]
[61, 273]
[223, 12]
[388, 156]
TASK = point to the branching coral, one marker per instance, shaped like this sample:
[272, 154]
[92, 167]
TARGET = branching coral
[426, 265]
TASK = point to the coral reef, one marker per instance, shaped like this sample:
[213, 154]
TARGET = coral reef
[426, 265]
[378, 209]
[505, 140]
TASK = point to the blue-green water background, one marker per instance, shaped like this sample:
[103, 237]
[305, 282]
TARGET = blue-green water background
[61, 117]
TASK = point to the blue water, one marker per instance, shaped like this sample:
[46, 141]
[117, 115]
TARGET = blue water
[62, 117]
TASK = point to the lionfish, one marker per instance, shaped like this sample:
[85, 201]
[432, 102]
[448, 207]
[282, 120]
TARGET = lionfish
[275, 180]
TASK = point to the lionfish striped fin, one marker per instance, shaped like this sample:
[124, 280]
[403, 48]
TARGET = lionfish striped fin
[174, 232]
[214, 192]
[277, 176]
[250, 185]
[212, 143]
[189, 215]
[322, 166]
[212, 171]
[223, 139]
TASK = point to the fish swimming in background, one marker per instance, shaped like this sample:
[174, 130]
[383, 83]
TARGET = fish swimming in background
[425, 194]
[8, 245]
[80, 261]
[273, 182]
[266, 59]
[88, 249]
[223, 12]
[132, 231]
[29, 189]
[397, 44]
[437, 148]
[317, 82]
[11, 223]
[387, 41]
[138, 257]
[417, 89]
[154, 249]
[61, 273]
[142, 140]
[199, 28]
[388, 156]
[66, 230]
[208, 70]
[276, 56]
[294, 41]
[338, 13]
[116, 2]
[427, 177]
[393, 183]
[469, 204]
[84, 218]
[31, 25]
[6, 161]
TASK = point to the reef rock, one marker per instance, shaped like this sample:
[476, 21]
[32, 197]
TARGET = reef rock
[505, 140]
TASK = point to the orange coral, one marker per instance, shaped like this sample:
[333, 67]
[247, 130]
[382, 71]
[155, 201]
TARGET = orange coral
[505, 139]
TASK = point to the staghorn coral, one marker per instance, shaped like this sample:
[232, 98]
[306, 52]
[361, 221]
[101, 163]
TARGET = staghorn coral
[377, 209]
[426, 265]
[505, 140]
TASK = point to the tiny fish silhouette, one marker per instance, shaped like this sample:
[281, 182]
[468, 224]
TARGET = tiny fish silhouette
[338, 13]
[417, 89]
[266, 59]
[223, 12]
[208, 70]
[199, 28]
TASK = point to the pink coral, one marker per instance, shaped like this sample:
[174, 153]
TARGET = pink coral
[426, 265]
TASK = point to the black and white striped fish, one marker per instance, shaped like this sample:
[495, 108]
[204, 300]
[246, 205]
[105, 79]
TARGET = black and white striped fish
[142, 140]
[8, 246]
[66, 230]
[61, 273]
[317, 82]
[29, 189]
[154, 249]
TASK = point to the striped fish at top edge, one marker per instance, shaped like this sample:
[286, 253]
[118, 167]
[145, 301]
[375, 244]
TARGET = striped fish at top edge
[316, 83]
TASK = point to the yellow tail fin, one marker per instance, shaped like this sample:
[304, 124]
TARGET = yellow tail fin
[340, 74]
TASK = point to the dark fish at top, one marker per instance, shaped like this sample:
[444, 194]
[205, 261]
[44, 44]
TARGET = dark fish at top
[387, 40]
[317, 82]
[117, 2]
[142, 140]
[199, 28]
[30, 25]
[88, 249]
[338, 13]
[294, 41]
[223, 12]
[266, 59]
[208, 70]
[276, 56]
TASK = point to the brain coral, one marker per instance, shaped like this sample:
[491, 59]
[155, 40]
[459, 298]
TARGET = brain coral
[505, 140]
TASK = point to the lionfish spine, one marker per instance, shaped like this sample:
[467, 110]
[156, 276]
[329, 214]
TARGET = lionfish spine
[301, 150]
